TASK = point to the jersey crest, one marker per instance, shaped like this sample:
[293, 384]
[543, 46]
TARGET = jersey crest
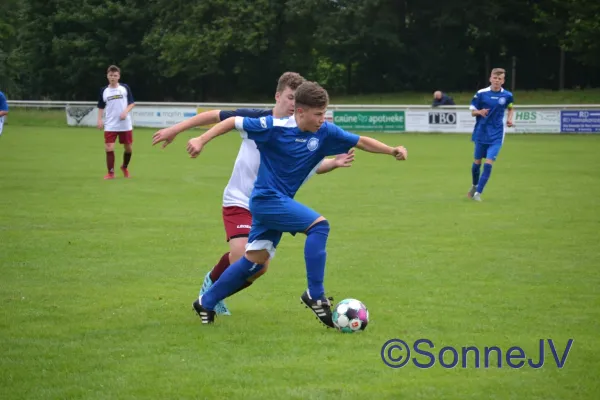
[313, 144]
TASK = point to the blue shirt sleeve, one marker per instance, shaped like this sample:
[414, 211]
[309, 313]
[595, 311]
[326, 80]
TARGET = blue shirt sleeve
[338, 141]
[3, 102]
[510, 101]
[244, 112]
[257, 129]
[129, 95]
[101, 102]
[475, 102]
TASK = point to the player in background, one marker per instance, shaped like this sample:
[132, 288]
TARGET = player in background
[3, 110]
[291, 149]
[237, 218]
[488, 106]
[115, 102]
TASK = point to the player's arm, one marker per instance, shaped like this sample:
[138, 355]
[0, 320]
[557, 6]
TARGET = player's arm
[340, 161]
[196, 144]
[101, 105]
[511, 111]
[129, 108]
[3, 105]
[130, 103]
[371, 145]
[257, 129]
[167, 135]
[475, 107]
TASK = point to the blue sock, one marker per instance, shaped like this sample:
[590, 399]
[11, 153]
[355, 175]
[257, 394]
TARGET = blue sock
[475, 169]
[231, 280]
[315, 256]
[487, 171]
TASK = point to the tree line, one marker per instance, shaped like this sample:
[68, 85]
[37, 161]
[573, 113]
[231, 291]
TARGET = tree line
[224, 50]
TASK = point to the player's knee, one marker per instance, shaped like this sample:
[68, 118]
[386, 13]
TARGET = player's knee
[258, 256]
[237, 248]
[320, 226]
[260, 273]
[477, 161]
[128, 148]
[109, 147]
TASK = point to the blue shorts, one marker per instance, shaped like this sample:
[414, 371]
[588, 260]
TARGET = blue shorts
[487, 151]
[274, 214]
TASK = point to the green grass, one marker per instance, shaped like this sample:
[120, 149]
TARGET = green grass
[33, 117]
[98, 277]
[522, 97]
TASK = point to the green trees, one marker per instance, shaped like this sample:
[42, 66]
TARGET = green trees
[235, 49]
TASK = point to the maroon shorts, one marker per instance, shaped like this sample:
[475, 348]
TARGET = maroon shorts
[125, 137]
[238, 222]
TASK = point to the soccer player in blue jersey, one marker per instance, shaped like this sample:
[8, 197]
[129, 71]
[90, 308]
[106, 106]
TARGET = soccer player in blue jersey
[290, 150]
[3, 110]
[237, 218]
[488, 106]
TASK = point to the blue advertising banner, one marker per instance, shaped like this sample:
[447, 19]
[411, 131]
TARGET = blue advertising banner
[580, 121]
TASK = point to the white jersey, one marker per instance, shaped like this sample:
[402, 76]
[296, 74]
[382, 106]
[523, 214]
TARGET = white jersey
[114, 101]
[238, 190]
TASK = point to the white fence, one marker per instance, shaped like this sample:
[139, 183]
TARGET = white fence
[571, 118]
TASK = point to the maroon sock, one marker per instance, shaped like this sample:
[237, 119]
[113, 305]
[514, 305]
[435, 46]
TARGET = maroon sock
[126, 159]
[221, 266]
[110, 161]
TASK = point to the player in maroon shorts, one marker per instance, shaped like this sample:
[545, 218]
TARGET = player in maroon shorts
[236, 197]
[115, 102]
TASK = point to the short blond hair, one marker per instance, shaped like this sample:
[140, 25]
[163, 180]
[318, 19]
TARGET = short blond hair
[311, 95]
[289, 80]
[113, 68]
[498, 71]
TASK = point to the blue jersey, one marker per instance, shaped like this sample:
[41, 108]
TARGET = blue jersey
[3, 107]
[244, 112]
[288, 155]
[3, 102]
[490, 129]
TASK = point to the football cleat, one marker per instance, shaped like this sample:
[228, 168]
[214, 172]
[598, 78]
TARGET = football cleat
[321, 308]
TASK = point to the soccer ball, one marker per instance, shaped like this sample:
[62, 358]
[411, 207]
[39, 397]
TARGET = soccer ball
[350, 315]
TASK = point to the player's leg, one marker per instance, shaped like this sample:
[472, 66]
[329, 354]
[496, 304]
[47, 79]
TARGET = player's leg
[288, 215]
[126, 139]
[479, 154]
[109, 147]
[262, 247]
[490, 158]
[237, 222]
[315, 256]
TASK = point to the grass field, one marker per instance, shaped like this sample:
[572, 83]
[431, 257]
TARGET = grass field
[98, 277]
[587, 96]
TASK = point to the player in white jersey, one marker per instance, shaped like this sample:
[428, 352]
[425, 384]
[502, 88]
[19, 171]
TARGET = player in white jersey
[236, 196]
[3, 110]
[115, 103]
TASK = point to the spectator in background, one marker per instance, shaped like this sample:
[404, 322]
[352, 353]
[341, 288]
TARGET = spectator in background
[441, 99]
[3, 110]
